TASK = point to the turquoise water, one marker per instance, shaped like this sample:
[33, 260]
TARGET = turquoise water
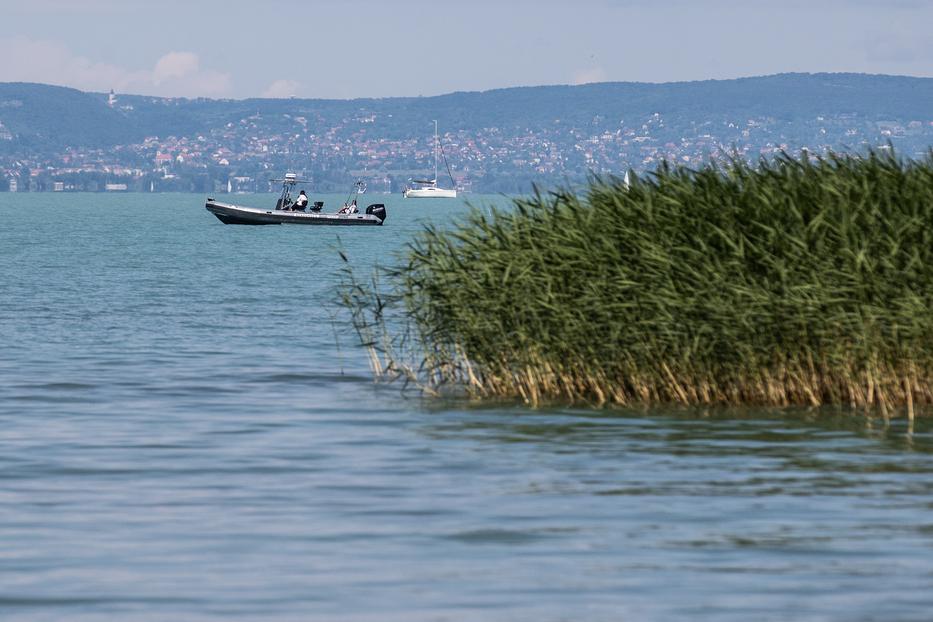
[186, 432]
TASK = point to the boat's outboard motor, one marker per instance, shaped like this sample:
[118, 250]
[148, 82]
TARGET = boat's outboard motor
[378, 210]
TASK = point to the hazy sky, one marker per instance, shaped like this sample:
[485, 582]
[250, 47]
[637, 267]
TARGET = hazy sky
[331, 48]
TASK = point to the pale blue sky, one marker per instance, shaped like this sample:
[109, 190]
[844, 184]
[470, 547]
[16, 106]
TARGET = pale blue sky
[329, 48]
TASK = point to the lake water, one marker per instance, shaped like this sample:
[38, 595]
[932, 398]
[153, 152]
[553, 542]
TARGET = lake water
[186, 432]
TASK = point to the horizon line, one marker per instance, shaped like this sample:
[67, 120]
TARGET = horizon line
[480, 92]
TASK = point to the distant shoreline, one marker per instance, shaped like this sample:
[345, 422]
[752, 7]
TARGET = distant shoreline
[500, 141]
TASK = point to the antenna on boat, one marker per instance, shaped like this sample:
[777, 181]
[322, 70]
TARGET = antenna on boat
[358, 188]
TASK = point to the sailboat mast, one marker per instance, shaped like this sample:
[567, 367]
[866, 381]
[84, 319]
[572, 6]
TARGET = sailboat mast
[435, 150]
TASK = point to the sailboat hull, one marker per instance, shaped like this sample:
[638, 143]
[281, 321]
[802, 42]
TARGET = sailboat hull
[430, 193]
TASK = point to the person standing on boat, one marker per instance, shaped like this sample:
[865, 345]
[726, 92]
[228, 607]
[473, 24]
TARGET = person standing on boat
[301, 202]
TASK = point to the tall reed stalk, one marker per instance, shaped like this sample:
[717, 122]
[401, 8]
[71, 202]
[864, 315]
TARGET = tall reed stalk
[785, 282]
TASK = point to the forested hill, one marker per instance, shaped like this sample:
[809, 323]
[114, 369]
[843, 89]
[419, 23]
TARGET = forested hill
[42, 118]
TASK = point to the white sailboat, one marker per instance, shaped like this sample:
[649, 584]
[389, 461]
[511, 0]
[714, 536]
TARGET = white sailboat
[428, 188]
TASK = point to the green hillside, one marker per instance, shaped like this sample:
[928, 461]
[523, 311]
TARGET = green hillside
[52, 117]
[43, 117]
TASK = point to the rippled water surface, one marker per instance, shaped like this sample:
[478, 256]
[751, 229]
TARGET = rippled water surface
[186, 432]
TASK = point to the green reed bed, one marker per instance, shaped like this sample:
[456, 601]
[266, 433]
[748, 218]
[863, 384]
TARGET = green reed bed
[785, 282]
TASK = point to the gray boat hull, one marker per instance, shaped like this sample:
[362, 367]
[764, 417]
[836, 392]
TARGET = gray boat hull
[238, 215]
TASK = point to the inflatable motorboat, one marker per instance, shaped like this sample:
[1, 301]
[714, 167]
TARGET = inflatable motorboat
[288, 212]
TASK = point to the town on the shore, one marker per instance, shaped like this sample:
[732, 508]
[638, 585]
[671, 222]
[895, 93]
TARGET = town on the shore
[243, 154]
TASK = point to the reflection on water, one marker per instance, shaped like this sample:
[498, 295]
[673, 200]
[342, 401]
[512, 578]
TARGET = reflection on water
[182, 435]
